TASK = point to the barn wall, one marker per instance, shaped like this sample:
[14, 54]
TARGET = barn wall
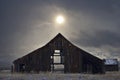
[92, 64]
[111, 68]
[75, 59]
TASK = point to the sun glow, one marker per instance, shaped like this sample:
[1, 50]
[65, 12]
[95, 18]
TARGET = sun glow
[60, 19]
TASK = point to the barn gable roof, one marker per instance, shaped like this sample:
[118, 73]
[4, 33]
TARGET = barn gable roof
[59, 36]
[110, 61]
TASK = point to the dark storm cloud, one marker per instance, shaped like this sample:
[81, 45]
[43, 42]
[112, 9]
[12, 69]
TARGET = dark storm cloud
[99, 38]
[27, 24]
[97, 6]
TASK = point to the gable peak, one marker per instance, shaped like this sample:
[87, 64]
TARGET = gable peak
[59, 35]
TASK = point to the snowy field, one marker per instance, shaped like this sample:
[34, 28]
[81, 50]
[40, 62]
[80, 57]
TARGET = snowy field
[59, 76]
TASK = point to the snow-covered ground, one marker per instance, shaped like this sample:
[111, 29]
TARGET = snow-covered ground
[59, 76]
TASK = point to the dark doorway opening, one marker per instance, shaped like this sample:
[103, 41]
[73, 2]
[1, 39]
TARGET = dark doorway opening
[22, 67]
[57, 61]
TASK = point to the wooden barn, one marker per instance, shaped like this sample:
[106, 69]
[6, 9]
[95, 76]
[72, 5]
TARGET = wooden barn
[111, 65]
[59, 55]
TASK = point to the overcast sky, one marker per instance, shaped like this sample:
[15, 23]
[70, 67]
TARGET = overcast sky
[26, 25]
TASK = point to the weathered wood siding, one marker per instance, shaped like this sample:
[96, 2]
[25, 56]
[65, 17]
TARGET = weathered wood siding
[76, 60]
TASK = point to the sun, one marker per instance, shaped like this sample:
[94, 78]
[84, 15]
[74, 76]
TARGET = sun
[60, 19]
